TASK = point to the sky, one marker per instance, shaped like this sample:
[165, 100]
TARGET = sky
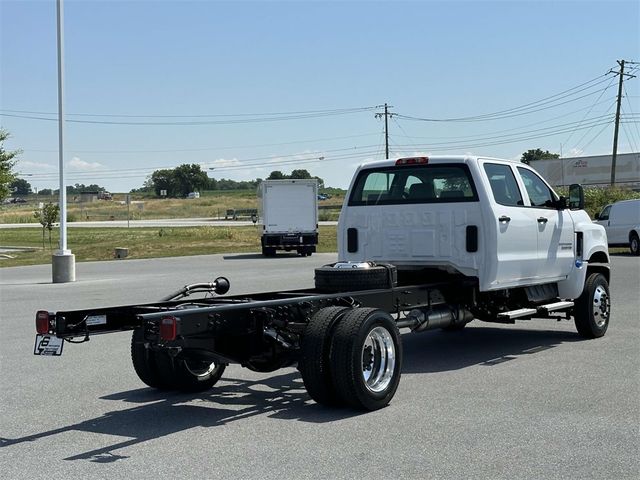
[245, 88]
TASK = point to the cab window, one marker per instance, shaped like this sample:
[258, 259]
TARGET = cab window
[503, 184]
[604, 215]
[539, 193]
[397, 185]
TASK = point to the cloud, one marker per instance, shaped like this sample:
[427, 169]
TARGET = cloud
[78, 164]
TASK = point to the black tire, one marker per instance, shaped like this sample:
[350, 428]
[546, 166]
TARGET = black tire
[333, 280]
[269, 251]
[189, 375]
[634, 244]
[593, 308]
[314, 363]
[144, 362]
[366, 358]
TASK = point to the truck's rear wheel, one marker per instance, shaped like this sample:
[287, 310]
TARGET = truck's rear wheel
[144, 362]
[189, 375]
[366, 358]
[269, 251]
[333, 279]
[593, 308]
[314, 363]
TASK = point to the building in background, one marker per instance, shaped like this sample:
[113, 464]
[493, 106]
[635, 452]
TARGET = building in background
[591, 171]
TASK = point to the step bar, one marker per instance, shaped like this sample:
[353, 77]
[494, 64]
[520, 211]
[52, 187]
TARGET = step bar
[532, 312]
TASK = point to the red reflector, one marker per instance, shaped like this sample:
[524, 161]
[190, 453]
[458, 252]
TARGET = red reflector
[412, 161]
[42, 322]
[168, 328]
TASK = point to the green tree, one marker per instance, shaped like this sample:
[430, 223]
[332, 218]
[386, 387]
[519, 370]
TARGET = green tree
[276, 175]
[7, 162]
[47, 217]
[537, 154]
[190, 178]
[300, 173]
[20, 187]
[164, 180]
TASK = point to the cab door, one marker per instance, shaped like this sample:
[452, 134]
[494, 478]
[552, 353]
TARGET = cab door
[515, 254]
[555, 232]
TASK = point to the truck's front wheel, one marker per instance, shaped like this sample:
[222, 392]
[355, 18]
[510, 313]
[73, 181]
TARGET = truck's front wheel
[366, 358]
[593, 308]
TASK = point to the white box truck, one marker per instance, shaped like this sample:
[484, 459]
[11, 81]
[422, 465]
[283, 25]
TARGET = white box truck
[288, 212]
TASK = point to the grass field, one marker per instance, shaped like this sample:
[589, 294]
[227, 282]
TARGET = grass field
[212, 204]
[89, 244]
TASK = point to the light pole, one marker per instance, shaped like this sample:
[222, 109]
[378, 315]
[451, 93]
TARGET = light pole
[63, 261]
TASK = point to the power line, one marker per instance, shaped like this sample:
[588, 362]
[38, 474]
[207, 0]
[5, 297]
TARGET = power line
[266, 118]
[516, 111]
[445, 147]
[205, 149]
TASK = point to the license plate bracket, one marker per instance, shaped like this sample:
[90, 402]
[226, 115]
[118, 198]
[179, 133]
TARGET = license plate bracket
[49, 345]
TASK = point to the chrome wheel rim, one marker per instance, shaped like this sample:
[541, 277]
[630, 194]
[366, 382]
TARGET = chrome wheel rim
[200, 369]
[601, 306]
[378, 359]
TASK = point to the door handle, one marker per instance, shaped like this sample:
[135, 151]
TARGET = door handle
[542, 220]
[504, 218]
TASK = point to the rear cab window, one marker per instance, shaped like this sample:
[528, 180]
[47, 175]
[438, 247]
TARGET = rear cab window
[399, 185]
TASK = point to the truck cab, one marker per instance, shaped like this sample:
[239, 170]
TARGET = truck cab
[493, 219]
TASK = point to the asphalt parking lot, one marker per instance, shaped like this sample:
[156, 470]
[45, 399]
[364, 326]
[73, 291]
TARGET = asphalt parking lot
[525, 401]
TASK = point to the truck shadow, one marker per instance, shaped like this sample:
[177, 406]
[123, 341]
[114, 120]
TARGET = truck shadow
[160, 414]
[156, 414]
[254, 256]
[475, 345]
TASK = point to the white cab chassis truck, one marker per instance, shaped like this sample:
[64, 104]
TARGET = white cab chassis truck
[288, 212]
[424, 243]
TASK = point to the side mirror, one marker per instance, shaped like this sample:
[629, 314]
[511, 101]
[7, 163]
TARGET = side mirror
[576, 197]
[597, 216]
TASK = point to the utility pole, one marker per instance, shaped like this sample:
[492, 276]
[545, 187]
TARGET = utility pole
[386, 115]
[617, 122]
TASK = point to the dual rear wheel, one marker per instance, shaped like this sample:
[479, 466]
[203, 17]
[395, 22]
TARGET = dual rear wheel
[159, 370]
[351, 357]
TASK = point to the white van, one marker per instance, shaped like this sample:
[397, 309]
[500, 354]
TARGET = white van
[621, 220]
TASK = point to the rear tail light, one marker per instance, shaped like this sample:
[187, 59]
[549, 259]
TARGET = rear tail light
[412, 161]
[42, 322]
[168, 328]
